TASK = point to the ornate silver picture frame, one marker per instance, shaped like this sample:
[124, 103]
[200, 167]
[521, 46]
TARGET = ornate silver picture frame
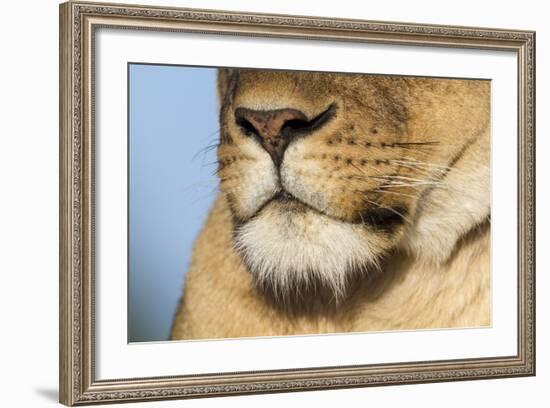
[79, 23]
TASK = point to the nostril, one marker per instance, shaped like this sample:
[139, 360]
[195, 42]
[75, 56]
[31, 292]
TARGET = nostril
[295, 125]
[246, 126]
[305, 126]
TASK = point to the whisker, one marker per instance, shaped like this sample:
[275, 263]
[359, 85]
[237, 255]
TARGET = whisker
[213, 191]
[427, 143]
[212, 142]
[401, 179]
[414, 151]
[363, 171]
[439, 170]
[393, 192]
[210, 163]
[205, 150]
[397, 177]
[409, 166]
[425, 165]
[414, 184]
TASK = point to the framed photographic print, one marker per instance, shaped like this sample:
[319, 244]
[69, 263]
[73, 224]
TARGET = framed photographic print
[261, 203]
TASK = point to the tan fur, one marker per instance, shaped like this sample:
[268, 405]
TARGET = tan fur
[430, 271]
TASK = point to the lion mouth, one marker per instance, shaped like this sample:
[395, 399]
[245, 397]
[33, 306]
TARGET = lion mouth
[379, 218]
[284, 196]
[286, 202]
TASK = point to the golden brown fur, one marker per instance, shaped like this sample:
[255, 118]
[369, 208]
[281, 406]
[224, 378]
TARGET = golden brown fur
[392, 193]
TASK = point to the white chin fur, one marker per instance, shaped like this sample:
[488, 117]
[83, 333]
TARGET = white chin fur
[285, 248]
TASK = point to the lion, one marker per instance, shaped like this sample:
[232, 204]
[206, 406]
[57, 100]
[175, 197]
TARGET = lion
[347, 203]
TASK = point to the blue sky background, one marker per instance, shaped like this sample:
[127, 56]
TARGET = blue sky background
[171, 186]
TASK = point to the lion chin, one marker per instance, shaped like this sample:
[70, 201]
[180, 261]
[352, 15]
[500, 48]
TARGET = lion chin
[288, 246]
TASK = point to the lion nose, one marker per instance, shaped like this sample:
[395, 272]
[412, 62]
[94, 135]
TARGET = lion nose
[273, 129]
